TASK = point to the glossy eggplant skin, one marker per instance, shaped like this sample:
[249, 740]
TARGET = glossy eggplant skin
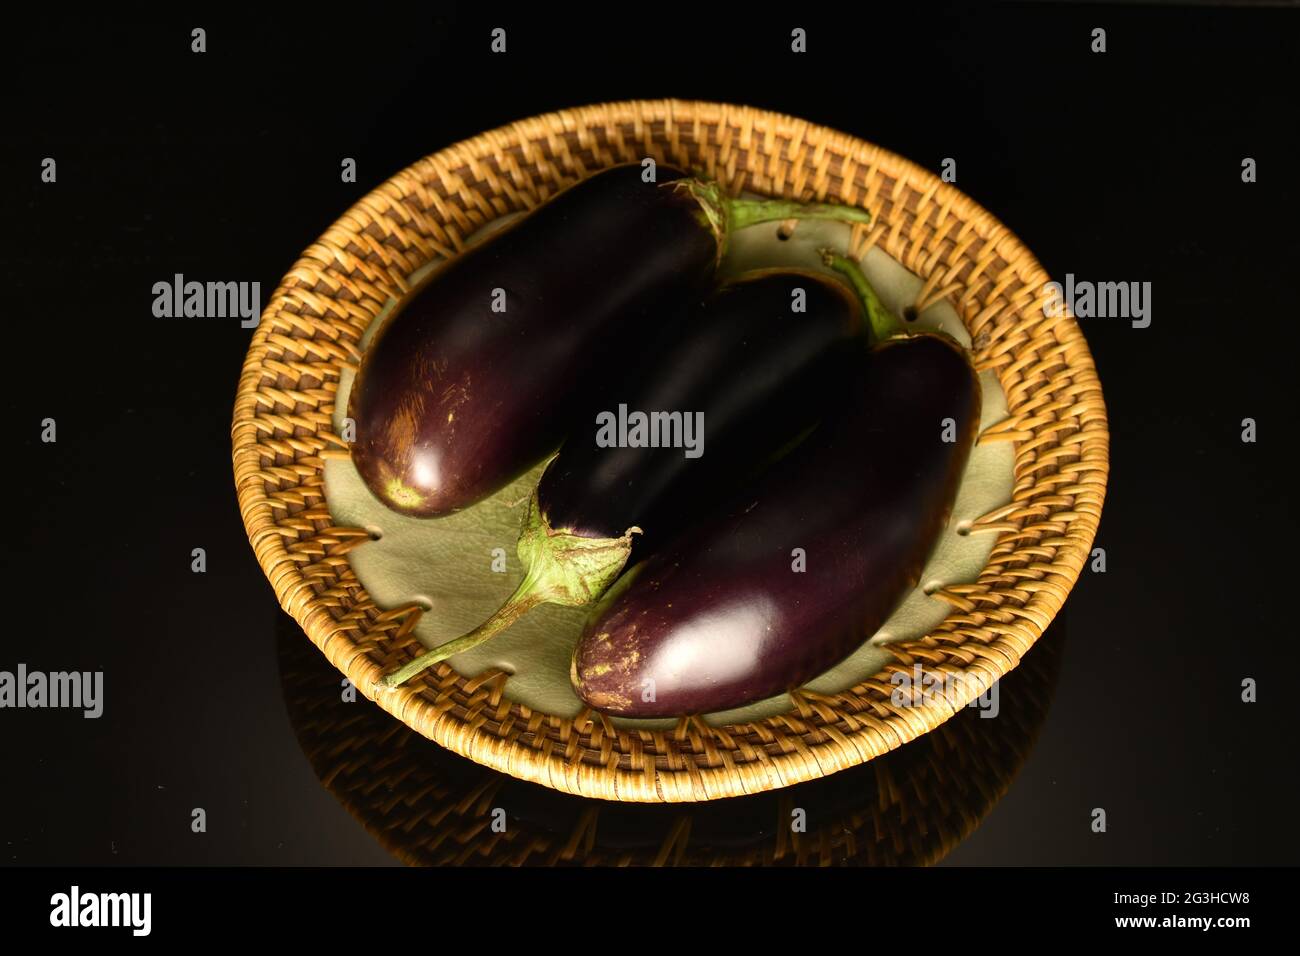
[720, 618]
[752, 370]
[453, 399]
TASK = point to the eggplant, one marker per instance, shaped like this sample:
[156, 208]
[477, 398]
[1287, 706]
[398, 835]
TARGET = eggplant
[752, 372]
[473, 381]
[721, 617]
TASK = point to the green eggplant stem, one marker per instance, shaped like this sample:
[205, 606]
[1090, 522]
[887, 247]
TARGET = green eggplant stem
[559, 568]
[724, 214]
[882, 322]
[525, 598]
[748, 212]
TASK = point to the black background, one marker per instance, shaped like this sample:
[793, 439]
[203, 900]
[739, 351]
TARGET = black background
[225, 166]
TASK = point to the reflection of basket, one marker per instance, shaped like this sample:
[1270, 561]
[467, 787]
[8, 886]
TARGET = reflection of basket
[312, 325]
[429, 807]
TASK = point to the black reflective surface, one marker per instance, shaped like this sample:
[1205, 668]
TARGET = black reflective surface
[225, 166]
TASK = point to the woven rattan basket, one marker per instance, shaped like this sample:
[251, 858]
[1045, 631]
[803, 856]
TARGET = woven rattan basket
[313, 323]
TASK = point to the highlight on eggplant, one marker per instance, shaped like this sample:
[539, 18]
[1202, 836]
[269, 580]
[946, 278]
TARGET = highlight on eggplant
[470, 383]
[758, 362]
[720, 618]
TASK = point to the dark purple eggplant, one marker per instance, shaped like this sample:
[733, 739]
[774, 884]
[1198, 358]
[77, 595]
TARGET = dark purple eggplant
[751, 370]
[720, 618]
[455, 397]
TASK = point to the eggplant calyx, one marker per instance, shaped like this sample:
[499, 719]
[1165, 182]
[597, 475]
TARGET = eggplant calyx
[723, 214]
[559, 568]
[569, 569]
[712, 213]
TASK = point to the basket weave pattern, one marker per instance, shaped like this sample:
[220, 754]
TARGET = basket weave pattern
[282, 434]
